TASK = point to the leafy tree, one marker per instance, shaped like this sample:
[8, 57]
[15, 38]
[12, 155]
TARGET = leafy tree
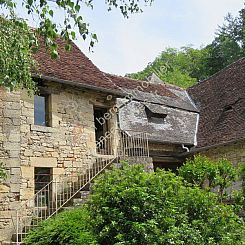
[226, 174]
[229, 43]
[199, 171]
[206, 173]
[241, 195]
[17, 41]
[182, 67]
[186, 66]
[15, 56]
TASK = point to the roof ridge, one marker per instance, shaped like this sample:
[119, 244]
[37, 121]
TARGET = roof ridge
[218, 72]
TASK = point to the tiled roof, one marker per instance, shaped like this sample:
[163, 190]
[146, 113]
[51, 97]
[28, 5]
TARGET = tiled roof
[76, 67]
[221, 101]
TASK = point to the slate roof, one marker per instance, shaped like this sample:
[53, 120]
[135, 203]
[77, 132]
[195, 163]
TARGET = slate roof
[221, 101]
[179, 126]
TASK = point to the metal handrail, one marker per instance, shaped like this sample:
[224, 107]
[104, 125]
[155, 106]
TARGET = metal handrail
[59, 191]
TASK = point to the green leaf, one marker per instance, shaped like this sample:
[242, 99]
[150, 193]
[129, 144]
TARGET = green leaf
[54, 54]
[73, 34]
[94, 36]
[30, 2]
[77, 7]
[68, 47]
[51, 13]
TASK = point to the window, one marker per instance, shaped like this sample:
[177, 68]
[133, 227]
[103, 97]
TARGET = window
[155, 117]
[42, 177]
[41, 110]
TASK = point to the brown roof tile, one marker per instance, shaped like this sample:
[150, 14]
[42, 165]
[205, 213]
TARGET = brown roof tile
[76, 67]
[221, 101]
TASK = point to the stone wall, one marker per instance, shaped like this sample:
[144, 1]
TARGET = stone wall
[234, 152]
[9, 155]
[69, 141]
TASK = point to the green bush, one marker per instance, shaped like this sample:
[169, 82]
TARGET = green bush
[198, 170]
[242, 178]
[206, 173]
[69, 227]
[226, 174]
[131, 206]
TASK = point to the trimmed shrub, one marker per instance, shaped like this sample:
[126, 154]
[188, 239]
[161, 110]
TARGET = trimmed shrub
[67, 228]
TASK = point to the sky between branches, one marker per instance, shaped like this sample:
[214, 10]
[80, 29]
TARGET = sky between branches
[127, 45]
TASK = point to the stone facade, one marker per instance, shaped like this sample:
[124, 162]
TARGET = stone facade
[68, 142]
[234, 152]
[10, 156]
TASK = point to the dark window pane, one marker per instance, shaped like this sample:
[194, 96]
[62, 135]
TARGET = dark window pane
[42, 177]
[156, 118]
[40, 113]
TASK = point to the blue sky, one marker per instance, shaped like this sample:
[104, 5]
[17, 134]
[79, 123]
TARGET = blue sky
[128, 45]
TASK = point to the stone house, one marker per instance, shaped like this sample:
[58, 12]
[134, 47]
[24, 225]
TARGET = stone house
[82, 121]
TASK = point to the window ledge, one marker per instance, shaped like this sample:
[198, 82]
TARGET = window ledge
[43, 129]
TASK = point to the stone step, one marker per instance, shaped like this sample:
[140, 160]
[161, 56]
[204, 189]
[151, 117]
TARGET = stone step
[6, 243]
[21, 237]
[83, 198]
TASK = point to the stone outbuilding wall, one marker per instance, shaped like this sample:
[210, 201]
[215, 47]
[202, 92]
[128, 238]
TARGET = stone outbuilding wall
[234, 152]
[69, 142]
[10, 156]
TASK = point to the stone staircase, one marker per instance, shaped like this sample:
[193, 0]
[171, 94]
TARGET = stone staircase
[76, 202]
[80, 199]
[72, 188]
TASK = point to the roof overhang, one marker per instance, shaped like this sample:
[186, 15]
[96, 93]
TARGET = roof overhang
[80, 85]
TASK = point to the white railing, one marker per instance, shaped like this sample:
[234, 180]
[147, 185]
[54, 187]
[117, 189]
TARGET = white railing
[130, 144]
[105, 145]
[133, 144]
[59, 192]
